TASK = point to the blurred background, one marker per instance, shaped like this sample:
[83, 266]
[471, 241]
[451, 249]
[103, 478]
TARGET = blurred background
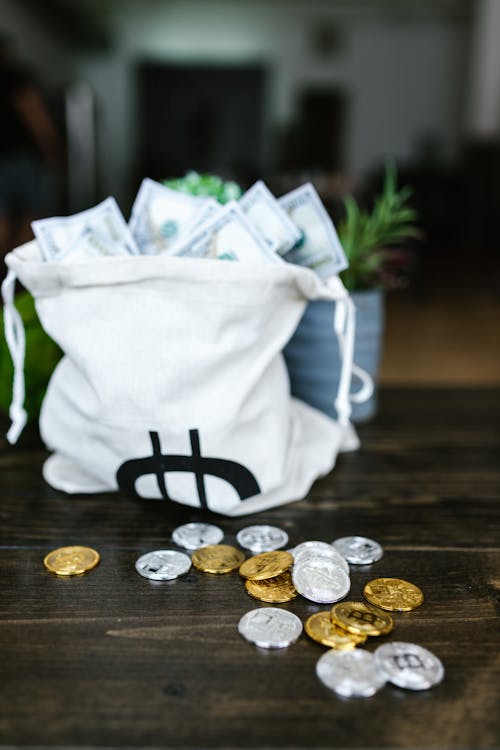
[286, 91]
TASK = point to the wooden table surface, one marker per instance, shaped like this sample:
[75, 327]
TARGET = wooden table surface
[111, 659]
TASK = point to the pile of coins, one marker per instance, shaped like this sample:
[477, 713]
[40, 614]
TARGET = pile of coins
[362, 674]
[316, 570]
[268, 577]
[320, 573]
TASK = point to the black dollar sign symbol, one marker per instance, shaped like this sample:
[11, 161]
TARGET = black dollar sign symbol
[159, 464]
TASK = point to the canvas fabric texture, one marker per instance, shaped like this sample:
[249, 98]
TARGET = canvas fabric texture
[173, 385]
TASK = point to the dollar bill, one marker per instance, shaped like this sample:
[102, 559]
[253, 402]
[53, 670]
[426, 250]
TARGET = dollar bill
[269, 218]
[56, 235]
[319, 247]
[228, 235]
[160, 216]
[209, 208]
[89, 246]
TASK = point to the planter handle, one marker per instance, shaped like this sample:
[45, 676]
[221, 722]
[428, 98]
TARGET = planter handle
[344, 324]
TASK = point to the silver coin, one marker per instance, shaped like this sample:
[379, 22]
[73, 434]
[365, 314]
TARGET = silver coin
[195, 535]
[319, 549]
[350, 673]
[262, 538]
[408, 665]
[163, 564]
[358, 550]
[270, 627]
[321, 580]
[309, 546]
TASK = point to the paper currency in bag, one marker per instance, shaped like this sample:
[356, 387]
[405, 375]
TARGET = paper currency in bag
[160, 216]
[319, 248]
[228, 235]
[272, 222]
[89, 246]
[56, 235]
[209, 208]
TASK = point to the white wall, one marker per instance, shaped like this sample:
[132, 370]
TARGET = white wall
[404, 74]
[483, 115]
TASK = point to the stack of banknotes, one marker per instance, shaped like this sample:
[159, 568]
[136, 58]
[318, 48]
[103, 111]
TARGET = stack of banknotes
[258, 227]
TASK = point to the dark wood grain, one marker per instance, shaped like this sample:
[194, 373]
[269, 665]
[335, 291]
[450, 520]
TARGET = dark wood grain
[110, 659]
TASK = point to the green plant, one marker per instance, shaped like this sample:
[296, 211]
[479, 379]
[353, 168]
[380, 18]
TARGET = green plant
[372, 239]
[194, 183]
[42, 355]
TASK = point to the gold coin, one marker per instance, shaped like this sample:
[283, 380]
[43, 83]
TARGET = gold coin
[320, 628]
[217, 558]
[357, 617]
[71, 561]
[266, 565]
[393, 594]
[276, 590]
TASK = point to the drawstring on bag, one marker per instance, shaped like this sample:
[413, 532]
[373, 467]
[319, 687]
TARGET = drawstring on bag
[16, 341]
[344, 324]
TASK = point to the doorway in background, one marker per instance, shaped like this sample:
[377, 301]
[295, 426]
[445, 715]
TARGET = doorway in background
[322, 121]
[209, 118]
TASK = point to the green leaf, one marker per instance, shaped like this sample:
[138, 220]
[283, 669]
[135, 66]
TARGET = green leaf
[42, 355]
[362, 234]
[194, 183]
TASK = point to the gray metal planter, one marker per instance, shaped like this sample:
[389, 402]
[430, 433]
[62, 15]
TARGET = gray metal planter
[312, 354]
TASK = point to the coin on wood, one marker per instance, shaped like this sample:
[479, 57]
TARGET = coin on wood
[266, 565]
[408, 665]
[163, 565]
[262, 538]
[357, 617]
[318, 549]
[71, 561]
[350, 673]
[393, 594]
[321, 629]
[358, 550]
[195, 535]
[217, 558]
[270, 627]
[274, 590]
[321, 580]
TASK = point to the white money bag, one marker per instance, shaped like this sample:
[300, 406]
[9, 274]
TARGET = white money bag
[172, 384]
